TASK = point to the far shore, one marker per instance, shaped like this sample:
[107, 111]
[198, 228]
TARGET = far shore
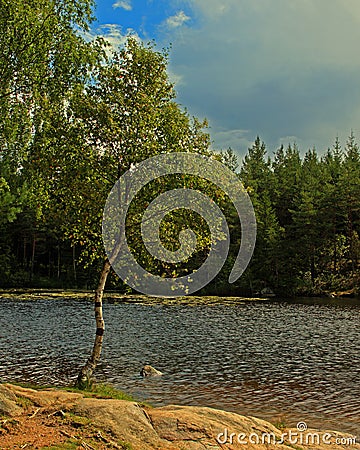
[117, 297]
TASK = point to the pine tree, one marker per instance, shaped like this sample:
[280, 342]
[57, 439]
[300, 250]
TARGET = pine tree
[257, 177]
[350, 187]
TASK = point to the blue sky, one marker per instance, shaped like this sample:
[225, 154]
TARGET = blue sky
[286, 70]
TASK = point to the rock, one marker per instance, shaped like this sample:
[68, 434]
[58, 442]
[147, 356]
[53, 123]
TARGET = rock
[173, 427]
[126, 421]
[267, 292]
[192, 428]
[148, 370]
[8, 406]
[47, 398]
[200, 428]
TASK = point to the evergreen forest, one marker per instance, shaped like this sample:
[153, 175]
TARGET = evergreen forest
[76, 114]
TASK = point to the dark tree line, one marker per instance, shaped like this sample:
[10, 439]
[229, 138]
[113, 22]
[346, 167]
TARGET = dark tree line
[308, 218]
[74, 116]
[308, 215]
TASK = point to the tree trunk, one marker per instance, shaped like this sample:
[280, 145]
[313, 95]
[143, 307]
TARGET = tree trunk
[312, 268]
[32, 258]
[74, 263]
[58, 262]
[84, 379]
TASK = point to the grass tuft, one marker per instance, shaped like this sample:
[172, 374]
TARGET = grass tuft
[126, 446]
[71, 444]
[280, 423]
[102, 390]
[23, 402]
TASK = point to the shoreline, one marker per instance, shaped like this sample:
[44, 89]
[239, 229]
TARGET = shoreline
[72, 419]
[114, 296]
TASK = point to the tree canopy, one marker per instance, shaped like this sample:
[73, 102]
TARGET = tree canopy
[74, 118]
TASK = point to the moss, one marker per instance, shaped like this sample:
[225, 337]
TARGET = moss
[77, 421]
[71, 444]
[23, 402]
[280, 424]
[125, 446]
[108, 391]
[102, 390]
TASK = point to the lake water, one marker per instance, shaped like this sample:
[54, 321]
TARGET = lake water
[284, 361]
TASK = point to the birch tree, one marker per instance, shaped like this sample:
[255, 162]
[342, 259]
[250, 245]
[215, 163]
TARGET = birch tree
[127, 114]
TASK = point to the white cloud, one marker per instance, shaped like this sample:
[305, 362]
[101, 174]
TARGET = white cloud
[177, 20]
[238, 140]
[113, 34]
[124, 4]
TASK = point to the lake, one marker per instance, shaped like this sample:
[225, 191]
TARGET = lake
[284, 361]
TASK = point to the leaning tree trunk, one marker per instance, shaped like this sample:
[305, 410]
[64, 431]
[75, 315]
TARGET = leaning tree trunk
[84, 379]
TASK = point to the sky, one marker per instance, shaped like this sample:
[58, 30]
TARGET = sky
[285, 70]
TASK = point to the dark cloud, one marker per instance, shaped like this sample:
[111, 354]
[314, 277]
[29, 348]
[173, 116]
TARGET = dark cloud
[289, 70]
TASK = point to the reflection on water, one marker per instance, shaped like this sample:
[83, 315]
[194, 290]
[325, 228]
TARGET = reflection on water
[277, 360]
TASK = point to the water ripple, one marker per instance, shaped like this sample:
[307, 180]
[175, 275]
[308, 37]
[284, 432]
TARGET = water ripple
[280, 359]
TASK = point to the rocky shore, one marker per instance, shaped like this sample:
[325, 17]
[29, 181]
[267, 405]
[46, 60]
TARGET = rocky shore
[57, 419]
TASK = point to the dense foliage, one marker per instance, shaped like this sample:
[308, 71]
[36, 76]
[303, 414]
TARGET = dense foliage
[308, 214]
[73, 119]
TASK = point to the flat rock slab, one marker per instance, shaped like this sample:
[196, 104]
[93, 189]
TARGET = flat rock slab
[127, 421]
[197, 428]
[46, 398]
[171, 427]
[8, 405]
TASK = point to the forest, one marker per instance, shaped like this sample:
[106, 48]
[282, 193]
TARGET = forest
[76, 114]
